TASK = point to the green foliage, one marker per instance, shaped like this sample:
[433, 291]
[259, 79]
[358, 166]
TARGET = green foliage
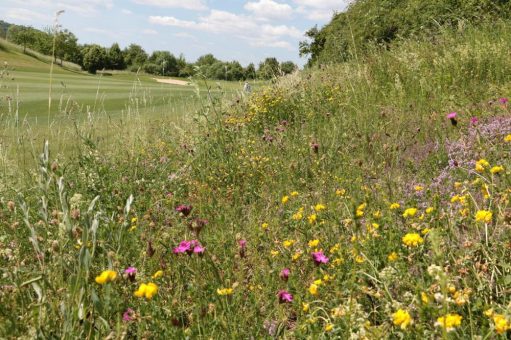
[94, 58]
[312, 163]
[116, 58]
[134, 55]
[368, 22]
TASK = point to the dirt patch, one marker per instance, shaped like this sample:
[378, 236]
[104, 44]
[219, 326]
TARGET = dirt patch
[172, 81]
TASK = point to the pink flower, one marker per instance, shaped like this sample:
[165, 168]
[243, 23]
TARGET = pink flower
[319, 258]
[285, 296]
[128, 315]
[243, 246]
[184, 209]
[474, 120]
[503, 101]
[183, 247]
[452, 115]
[189, 247]
[284, 274]
[131, 272]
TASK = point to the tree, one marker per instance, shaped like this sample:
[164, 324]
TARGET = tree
[166, 61]
[66, 47]
[94, 58]
[135, 55]
[269, 68]
[250, 71]
[234, 71]
[116, 58]
[288, 67]
[21, 35]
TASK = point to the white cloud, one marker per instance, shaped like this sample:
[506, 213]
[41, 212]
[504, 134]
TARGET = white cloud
[241, 26]
[150, 32]
[195, 5]
[83, 7]
[126, 11]
[26, 15]
[269, 9]
[321, 10]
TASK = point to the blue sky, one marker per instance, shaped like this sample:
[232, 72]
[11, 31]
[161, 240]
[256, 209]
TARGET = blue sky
[243, 30]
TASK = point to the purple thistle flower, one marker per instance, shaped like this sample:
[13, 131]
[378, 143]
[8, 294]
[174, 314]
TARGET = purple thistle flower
[284, 274]
[319, 258]
[503, 101]
[184, 209]
[474, 121]
[285, 296]
[243, 246]
[452, 117]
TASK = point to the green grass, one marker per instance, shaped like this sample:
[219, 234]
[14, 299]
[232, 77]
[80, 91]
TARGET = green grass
[358, 161]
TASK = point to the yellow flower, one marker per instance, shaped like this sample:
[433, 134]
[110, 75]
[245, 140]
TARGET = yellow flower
[158, 274]
[296, 256]
[507, 138]
[359, 213]
[318, 282]
[392, 256]
[395, 206]
[377, 214]
[297, 217]
[401, 318]
[312, 218]
[285, 199]
[501, 323]
[305, 307]
[425, 231]
[335, 248]
[106, 276]
[488, 312]
[313, 289]
[329, 327]
[418, 188]
[264, 226]
[457, 185]
[288, 243]
[412, 240]
[147, 290]
[359, 259]
[410, 212]
[224, 291]
[484, 216]
[496, 169]
[319, 207]
[362, 206]
[274, 253]
[430, 210]
[424, 298]
[449, 321]
[134, 220]
[294, 194]
[340, 192]
[313, 243]
[481, 165]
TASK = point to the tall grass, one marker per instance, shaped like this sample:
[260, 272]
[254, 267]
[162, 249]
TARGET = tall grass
[306, 167]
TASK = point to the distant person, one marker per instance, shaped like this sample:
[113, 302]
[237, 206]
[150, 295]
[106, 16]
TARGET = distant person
[247, 88]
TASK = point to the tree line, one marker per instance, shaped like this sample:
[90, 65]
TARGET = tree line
[64, 46]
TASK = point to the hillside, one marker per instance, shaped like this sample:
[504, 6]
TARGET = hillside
[368, 199]
[367, 23]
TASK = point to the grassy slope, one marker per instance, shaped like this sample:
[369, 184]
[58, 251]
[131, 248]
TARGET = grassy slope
[318, 156]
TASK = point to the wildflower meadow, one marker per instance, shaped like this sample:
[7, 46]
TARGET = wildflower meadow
[363, 200]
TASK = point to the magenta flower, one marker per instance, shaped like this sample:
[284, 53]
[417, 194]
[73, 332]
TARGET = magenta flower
[474, 120]
[503, 101]
[243, 245]
[189, 247]
[128, 315]
[319, 257]
[184, 209]
[284, 274]
[131, 272]
[452, 117]
[285, 296]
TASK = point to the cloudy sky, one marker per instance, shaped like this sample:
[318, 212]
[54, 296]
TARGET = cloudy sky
[243, 30]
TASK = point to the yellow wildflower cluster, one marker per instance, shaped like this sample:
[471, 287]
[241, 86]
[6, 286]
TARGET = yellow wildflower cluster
[412, 240]
[484, 216]
[148, 290]
[449, 322]
[402, 319]
[106, 277]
